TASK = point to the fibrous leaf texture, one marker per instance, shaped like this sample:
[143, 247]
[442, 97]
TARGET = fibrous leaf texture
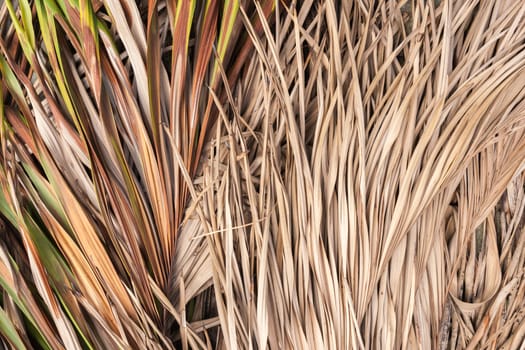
[262, 174]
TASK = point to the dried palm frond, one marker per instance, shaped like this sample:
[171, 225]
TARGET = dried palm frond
[237, 175]
[352, 189]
